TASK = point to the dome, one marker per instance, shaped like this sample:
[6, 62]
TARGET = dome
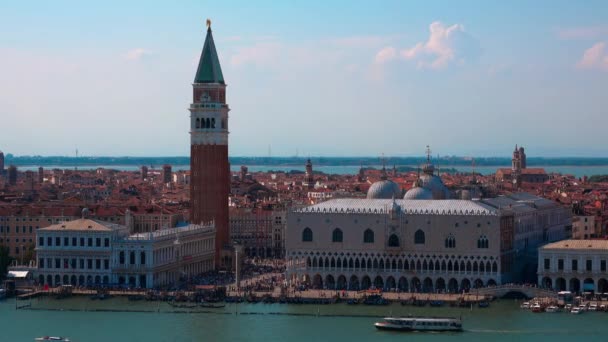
[384, 189]
[418, 193]
[435, 185]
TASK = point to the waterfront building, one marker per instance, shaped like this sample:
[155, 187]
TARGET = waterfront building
[209, 167]
[77, 252]
[92, 252]
[574, 265]
[420, 245]
[162, 257]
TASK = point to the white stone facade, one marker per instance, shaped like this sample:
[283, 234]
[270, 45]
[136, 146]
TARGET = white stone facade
[91, 253]
[413, 245]
[574, 265]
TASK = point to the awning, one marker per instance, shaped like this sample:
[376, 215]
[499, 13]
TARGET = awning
[17, 274]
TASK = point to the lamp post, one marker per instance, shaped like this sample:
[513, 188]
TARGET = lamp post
[238, 249]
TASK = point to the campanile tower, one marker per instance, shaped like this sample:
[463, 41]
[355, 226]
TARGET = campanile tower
[209, 167]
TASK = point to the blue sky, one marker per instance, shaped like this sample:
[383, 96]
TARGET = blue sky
[317, 77]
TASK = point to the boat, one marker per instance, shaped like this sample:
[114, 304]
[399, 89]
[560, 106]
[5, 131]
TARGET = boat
[593, 307]
[212, 306]
[582, 307]
[525, 305]
[551, 308]
[568, 307]
[576, 310]
[536, 308]
[436, 303]
[2, 294]
[420, 324]
[483, 304]
[52, 338]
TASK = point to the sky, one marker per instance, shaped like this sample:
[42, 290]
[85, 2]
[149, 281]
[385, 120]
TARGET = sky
[308, 78]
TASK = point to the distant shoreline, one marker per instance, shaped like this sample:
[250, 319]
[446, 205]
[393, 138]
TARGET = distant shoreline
[299, 162]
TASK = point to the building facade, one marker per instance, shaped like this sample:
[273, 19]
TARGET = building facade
[87, 252]
[574, 265]
[259, 232]
[163, 257]
[77, 252]
[209, 168]
[411, 245]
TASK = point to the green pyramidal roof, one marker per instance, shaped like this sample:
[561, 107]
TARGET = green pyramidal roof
[209, 70]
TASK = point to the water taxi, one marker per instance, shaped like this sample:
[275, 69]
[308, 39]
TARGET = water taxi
[420, 324]
[52, 338]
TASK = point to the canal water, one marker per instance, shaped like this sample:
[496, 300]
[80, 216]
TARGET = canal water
[152, 321]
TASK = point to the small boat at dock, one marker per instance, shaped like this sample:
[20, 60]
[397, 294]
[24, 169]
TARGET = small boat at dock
[551, 309]
[420, 324]
[52, 338]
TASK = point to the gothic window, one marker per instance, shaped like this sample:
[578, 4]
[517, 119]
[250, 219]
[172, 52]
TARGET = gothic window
[368, 236]
[393, 241]
[121, 257]
[132, 258]
[307, 235]
[212, 122]
[198, 123]
[207, 123]
[419, 237]
[450, 242]
[223, 123]
[336, 236]
[142, 258]
[483, 242]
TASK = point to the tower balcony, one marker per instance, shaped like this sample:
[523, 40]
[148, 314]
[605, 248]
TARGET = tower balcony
[208, 105]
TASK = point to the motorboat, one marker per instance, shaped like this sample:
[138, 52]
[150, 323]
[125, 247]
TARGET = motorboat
[576, 310]
[552, 308]
[420, 324]
[525, 306]
[52, 338]
[593, 307]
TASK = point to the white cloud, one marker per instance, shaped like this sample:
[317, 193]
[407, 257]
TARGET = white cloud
[387, 54]
[596, 57]
[137, 54]
[262, 53]
[446, 45]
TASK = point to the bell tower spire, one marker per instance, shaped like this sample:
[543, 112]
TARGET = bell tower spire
[209, 167]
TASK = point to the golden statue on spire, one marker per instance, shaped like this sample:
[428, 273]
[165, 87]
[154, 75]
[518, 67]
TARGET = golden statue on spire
[208, 23]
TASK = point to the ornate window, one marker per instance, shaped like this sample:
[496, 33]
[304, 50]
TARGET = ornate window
[393, 241]
[336, 236]
[198, 123]
[483, 242]
[450, 242]
[307, 235]
[419, 237]
[368, 236]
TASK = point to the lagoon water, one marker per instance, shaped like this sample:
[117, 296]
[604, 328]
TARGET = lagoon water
[578, 171]
[502, 321]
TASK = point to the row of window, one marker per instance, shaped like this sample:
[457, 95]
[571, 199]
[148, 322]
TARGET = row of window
[16, 240]
[73, 242]
[75, 264]
[574, 265]
[23, 229]
[393, 240]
